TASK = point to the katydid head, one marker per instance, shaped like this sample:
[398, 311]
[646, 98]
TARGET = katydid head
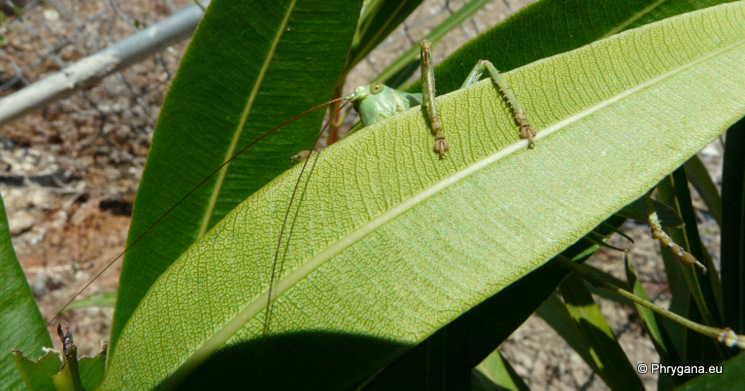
[376, 101]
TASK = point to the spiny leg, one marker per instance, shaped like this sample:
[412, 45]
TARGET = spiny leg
[526, 131]
[428, 98]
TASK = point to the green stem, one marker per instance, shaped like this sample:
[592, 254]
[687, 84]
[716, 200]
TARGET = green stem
[724, 335]
[665, 240]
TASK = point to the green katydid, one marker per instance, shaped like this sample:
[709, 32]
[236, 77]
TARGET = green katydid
[375, 102]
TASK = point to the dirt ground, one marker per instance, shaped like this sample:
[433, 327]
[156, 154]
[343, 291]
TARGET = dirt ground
[69, 174]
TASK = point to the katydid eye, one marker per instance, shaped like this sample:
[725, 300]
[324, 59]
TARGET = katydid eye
[376, 88]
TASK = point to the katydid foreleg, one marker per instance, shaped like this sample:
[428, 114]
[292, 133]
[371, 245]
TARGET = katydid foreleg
[526, 131]
[428, 98]
[376, 101]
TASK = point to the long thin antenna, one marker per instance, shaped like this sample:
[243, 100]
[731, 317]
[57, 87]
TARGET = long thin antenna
[284, 222]
[180, 201]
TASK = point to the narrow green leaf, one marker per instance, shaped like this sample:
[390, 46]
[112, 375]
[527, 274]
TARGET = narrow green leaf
[21, 324]
[657, 331]
[705, 290]
[610, 360]
[700, 179]
[36, 375]
[379, 18]
[733, 227]
[698, 302]
[555, 313]
[104, 299]
[396, 74]
[250, 66]
[371, 271]
[496, 373]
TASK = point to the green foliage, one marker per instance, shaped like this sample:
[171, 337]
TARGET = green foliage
[394, 260]
[608, 360]
[730, 377]
[401, 255]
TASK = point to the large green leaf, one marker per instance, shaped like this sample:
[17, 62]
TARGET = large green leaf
[21, 324]
[582, 22]
[250, 66]
[484, 327]
[386, 252]
[511, 44]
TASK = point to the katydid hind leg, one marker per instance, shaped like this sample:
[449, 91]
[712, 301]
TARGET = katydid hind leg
[526, 131]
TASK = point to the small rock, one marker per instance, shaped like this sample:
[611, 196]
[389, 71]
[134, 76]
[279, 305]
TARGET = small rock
[39, 284]
[21, 222]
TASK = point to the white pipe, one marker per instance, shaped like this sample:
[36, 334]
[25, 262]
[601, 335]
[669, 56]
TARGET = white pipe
[89, 70]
